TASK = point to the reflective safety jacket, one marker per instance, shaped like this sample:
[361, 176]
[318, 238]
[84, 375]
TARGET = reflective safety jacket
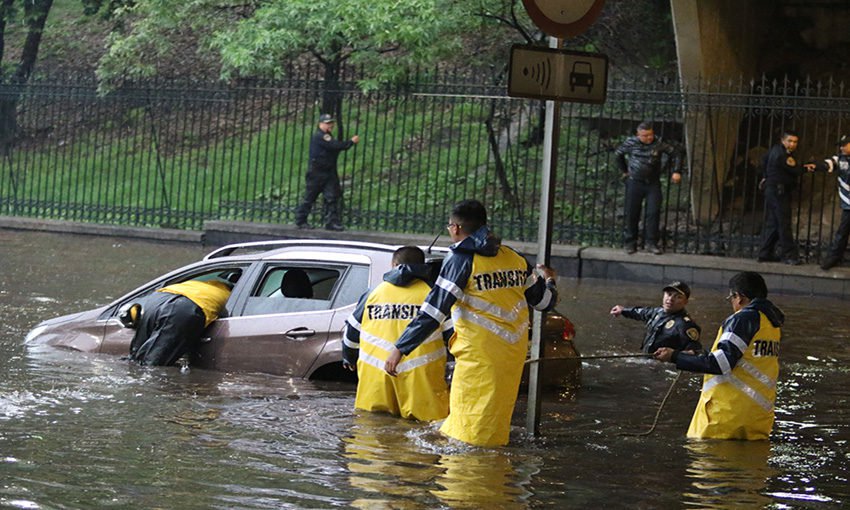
[647, 161]
[487, 289]
[420, 390]
[210, 296]
[739, 388]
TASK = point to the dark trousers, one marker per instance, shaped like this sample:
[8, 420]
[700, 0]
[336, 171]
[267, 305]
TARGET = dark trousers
[325, 182]
[171, 325]
[636, 193]
[839, 244]
[777, 224]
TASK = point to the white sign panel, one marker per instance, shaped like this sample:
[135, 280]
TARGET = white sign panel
[560, 75]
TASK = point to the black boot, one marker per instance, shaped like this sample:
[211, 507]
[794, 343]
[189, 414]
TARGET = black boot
[829, 262]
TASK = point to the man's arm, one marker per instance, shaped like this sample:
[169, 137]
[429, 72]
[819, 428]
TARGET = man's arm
[638, 313]
[328, 142]
[738, 332]
[351, 338]
[620, 157]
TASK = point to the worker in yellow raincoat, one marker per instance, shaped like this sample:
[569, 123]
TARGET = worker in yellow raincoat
[170, 321]
[420, 391]
[486, 287]
[739, 387]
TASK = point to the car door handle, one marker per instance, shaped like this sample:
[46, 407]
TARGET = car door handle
[300, 333]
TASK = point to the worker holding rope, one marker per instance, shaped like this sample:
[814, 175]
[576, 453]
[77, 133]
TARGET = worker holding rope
[739, 387]
[668, 325]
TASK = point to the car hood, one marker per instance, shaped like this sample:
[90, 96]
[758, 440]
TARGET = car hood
[71, 317]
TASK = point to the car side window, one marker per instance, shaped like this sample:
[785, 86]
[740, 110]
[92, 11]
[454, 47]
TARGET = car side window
[293, 288]
[355, 284]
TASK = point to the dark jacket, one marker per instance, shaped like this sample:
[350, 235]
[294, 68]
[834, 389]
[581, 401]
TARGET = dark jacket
[646, 162]
[781, 167]
[325, 149]
[675, 330]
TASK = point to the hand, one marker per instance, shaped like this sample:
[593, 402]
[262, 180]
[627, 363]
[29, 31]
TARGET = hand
[762, 184]
[809, 167]
[676, 178]
[355, 139]
[349, 366]
[391, 365]
[617, 310]
[663, 354]
[546, 271]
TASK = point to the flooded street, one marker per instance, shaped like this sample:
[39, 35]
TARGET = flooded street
[90, 431]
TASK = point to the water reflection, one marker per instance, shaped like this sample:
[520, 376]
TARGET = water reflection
[728, 474]
[484, 479]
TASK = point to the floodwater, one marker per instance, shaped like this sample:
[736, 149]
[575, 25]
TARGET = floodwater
[90, 431]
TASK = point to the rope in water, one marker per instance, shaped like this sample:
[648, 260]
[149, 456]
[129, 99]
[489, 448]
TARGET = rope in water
[657, 414]
[600, 356]
[612, 356]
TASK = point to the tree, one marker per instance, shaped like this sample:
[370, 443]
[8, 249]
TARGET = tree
[260, 39]
[33, 15]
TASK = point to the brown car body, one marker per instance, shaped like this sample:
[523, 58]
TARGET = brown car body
[263, 330]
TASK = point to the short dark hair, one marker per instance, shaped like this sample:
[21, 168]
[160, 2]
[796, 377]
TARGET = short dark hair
[645, 126]
[408, 255]
[749, 284]
[470, 215]
[789, 132]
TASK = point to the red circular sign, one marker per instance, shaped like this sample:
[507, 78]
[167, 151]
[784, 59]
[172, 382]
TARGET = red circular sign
[563, 18]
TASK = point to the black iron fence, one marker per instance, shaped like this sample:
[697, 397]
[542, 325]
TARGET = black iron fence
[177, 154]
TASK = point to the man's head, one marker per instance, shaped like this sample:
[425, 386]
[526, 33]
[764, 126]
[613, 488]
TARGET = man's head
[408, 255]
[467, 216]
[790, 140]
[676, 295]
[844, 145]
[645, 133]
[326, 122]
[744, 287]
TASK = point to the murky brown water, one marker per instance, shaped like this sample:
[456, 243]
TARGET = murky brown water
[89, 431]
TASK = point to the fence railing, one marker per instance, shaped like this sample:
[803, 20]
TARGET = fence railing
[177, 154]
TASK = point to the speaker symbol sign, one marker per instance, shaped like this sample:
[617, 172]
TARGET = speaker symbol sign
[561, 75]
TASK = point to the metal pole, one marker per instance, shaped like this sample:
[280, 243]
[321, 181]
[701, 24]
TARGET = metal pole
[544, 250]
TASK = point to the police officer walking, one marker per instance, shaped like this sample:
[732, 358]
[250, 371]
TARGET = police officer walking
[668, 325]
[322, 176]
[781, 172]
[641, 159]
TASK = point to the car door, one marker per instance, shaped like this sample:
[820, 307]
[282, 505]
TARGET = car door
[281, 325]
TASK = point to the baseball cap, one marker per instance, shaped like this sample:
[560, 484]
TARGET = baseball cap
[845, 139]
[680, 287]
[326, 118]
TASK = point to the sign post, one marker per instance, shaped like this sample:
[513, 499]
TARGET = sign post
[556, 75]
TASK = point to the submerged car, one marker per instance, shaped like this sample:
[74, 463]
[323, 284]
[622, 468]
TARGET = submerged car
[271, 326]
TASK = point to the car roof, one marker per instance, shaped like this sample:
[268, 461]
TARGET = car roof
[325, 250]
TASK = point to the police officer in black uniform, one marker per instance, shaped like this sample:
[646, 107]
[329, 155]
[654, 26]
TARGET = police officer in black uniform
[668, 325]
[840, 164]
[781, 173]
[322, 176]
[642, 159]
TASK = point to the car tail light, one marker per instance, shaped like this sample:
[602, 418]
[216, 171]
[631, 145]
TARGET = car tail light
[569, 331]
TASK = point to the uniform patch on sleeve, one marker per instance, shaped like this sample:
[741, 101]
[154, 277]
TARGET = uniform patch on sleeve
[693, 334]
[327, 137]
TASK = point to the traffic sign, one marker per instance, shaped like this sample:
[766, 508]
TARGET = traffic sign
[563, 18]
[560, 75]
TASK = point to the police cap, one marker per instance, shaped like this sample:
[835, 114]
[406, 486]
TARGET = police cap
[844, 140]
[680, 287]
[327, 118]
